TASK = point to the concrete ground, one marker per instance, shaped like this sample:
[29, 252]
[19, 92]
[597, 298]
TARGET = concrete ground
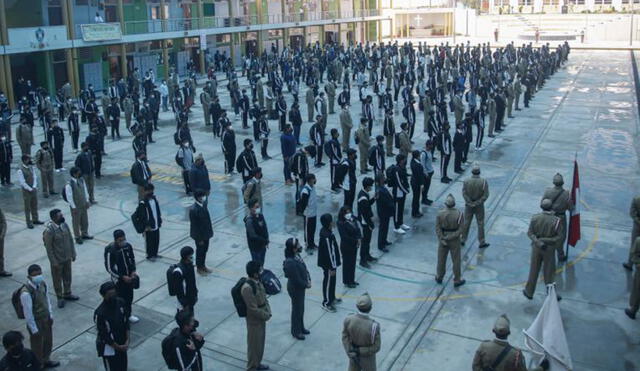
[588, 108]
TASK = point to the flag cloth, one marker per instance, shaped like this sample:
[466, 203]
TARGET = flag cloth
[574, 221]
[546, 338]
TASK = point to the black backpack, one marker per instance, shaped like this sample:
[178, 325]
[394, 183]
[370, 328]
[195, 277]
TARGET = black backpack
[396, 140]
[271, 283]
[137, 220]
[176, 138]
[64, 193]
[17, 304]
[389, 174]
[236, 295]
[172, 283]
[169, 350]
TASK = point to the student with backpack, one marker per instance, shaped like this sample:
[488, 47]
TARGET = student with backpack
[181, 281]
[181, 348]
[120, 263]
[31, 302]
[112, 342]
[299, 280]
[307, 206]
[258, 312]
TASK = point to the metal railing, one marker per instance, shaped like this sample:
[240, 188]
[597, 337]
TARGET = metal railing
[187, 24]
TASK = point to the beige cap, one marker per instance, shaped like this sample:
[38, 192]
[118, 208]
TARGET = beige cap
[199, 157]
[546, 204]
[475, 169]
[502, 325]
[558, 180]
[450, 201]
[364, 302]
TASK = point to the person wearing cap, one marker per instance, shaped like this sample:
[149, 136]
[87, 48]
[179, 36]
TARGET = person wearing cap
[329, 261]
[258, 313]
[200, 229]
[361, 337]
[499, 355]
[363, 140]
[634, 212]
[185, 279]
[120, 263]
[561, 203]
[112, 324]
[475, 191]
[346, 124]
[545, 230]
[449, 224]
[199, 175]
[298, 281]
[141, 173]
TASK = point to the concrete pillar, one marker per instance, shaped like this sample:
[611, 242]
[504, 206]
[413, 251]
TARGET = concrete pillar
[379, 26]
[163, 17]
[121, 14]
[232, 38]
[4, 35]
[123, 61]
[165, 59]
[3, 83]
[260, 21]
[203, 69]
[8, 80]
[285, 37]
[321, 38]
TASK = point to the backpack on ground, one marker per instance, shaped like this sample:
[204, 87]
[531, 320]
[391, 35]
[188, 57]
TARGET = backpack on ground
[138, 220]
[169, 350]
[236, 295]
[271, 283]
[172, 282]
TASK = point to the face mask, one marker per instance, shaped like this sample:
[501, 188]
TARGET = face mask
[347, 216]
[60, 221]
[258, 210]
[123, 243]
[16, 350]
[37, 280]
[251, 146]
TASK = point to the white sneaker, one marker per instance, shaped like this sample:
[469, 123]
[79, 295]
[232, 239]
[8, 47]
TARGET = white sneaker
[57, 170]
[63, 169]
[134, 319]
[399, 231]
[405, 227]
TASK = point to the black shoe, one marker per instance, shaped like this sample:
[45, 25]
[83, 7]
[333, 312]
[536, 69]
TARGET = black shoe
[53, 193]
[558, 297]
[627, 266]
[262, 367]
[459, 283]
[439, 281]
[562, 258]
[445, 180]
[426, 202]
[484, 245]
[5, 274]
[629, 313]
[364, 264]
[60, 303]
[387, 243]
[384, 249]
[37, 222]
[527, 296]
[87, 237]
[51, 364]
[71, 297]
[30, 226]
[305, 332]
[350, 285]
[491, 136]
[79, 241]
[418, 215]
[459, 171]
[299, 336]
[372, 259]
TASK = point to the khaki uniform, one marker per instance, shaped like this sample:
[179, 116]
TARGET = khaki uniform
[475, 192]
[24, 137]
[310, 99]
[330, 89]
[44, 162]
[517, 90]
[79, 205]
[30, 194]
[364, 143]
[490, 350]
[491, 105]
[634, 300]
[634, 212]
[61, 252]
[205, 100]
[404, 144]
[260, 93]
[458, 109]
[509, 99]
[346, 124]
[3, 233]
[561, 203]
[253, 191]
[362, 333]
[426, 103]
[448, 223]
[258, 313]
[127, 107]
[545, 230]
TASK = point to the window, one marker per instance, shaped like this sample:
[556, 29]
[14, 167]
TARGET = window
[550, 2]
[524, 2]
[82, 2]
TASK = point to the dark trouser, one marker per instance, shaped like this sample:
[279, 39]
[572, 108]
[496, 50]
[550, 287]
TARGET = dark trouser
[61, 277]
[398, 215]
[427, 185]
[1, 253]
[151, 242]
[444, 164]
[115, 129]
[283, 121]
[258, 254]
[263, 147]
[201, 253]
[479, 136]
[245, 119]
[465, 150]
[318, 153]
[30, 205]
[309, 231]
[97, 163]
[255, 130]
[527, 98]
[457, 160]
[297, 309]
[187, 182]
[415, 201]
[75, 135]
[149, 132]
[287, 168]
[296, 133]
[116, 362]
[125, 292]
[349, 254]
[42, 341]
[365, 245]
[383, 231]
[5, 172]
[229, 161]
[333, 169]
[349, 196]
[328, 287]
[57, 157]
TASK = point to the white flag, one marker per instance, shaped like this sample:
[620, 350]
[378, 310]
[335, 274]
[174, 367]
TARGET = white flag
[546, 338]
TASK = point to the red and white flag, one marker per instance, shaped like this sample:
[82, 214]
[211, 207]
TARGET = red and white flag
[574, 221]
